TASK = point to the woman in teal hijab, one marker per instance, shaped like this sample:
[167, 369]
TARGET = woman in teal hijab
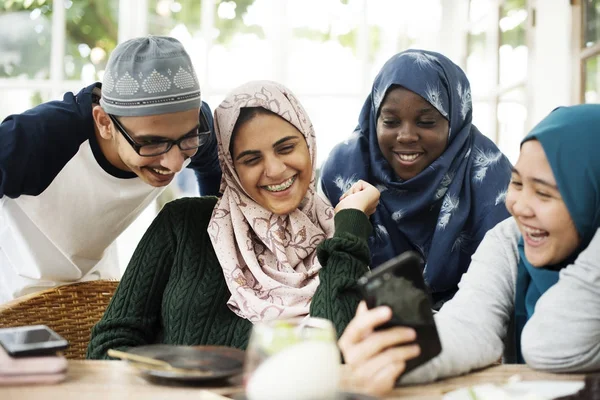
[539, 269]
[563, 214]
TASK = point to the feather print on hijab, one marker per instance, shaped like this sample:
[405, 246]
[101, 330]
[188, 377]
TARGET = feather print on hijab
[454, 198]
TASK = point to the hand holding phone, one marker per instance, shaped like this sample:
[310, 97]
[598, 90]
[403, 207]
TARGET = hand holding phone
[35, 340]
[375, 360]
[399, 284]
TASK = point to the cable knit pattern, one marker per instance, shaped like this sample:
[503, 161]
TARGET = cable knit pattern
[344, 260]
[174, 292]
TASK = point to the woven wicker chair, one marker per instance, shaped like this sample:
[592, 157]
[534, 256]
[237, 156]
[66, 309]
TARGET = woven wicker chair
[71, 310]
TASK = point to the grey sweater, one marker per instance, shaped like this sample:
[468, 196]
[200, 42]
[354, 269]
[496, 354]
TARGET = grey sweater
[563, 335]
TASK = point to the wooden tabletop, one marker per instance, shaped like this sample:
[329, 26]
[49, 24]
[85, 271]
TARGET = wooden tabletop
[498, 374]
[96, 380]
[108, 380]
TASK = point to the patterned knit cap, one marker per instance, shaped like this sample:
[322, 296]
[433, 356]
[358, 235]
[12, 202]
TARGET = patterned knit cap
[149, 76]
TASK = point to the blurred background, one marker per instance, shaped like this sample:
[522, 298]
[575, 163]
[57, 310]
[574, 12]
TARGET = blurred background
[522, 57]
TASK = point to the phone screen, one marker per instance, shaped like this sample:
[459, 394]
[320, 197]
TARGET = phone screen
[27, 337]
[31, 340]
[404, 292]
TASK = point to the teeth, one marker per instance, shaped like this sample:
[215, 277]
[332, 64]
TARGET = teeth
[536, 238]
[534, 231]
[282, 186]
[161, 172]
[536, 235]
[408, 157]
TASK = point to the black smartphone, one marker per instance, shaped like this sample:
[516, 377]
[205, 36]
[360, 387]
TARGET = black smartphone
[35, 340]
[399, 284]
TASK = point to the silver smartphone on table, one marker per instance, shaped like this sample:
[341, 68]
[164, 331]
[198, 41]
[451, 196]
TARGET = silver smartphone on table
[34, 340]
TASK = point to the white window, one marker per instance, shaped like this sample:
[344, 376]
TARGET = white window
[587, 43]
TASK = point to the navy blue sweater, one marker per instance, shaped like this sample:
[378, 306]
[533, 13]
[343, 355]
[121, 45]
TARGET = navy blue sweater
[37, 144]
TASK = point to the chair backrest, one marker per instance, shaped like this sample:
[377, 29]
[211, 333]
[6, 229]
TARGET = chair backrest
[70, 310]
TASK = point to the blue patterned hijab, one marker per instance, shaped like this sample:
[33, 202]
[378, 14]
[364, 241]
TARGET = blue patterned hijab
[570, 137]
[446, 209]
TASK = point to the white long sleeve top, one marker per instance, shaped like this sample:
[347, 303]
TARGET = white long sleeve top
[563, 335]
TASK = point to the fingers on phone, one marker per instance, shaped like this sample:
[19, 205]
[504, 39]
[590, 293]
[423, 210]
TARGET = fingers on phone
[382, 342]
[362, 308]
[385, 378]
[393, 356]
[379, 374]
[363, 324]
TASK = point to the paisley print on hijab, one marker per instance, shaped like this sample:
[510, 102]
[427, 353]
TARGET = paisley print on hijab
[269, 261]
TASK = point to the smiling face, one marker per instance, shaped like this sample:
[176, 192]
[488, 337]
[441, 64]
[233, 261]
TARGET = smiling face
[411, 132]
[158, 170]
[535, 202]
[272, 161]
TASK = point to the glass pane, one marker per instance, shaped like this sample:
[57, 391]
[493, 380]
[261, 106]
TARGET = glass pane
[512, 116]
[591, 22]
[92, 33]
[479, 70]
[592, 80]
[25, 39]
[333, 125]
[237, 35]
[513, 45]
[395, 26]
[331, 34]
[483, 118]
[15, 101]
[166, 16]
[240, 51]
[479, 9]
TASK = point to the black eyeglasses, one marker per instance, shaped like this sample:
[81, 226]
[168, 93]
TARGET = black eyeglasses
[190, 141]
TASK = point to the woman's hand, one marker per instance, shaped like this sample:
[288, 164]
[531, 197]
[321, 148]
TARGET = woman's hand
[362, 196]
[376, 358]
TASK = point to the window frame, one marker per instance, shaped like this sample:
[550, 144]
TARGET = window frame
[493, 43]
[582, 53]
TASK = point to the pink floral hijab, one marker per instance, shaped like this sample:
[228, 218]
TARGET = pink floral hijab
[269, 261]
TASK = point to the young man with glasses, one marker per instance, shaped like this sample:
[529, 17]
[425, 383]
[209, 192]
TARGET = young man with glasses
[75, 173]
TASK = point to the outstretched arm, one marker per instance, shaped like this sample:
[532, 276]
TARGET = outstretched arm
[471, 326]
[345, 258]
[563, 334]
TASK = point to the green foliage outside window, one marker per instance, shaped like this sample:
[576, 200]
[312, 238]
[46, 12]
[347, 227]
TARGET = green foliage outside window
[92, 32]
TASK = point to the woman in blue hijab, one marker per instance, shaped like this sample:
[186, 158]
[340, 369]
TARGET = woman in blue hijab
[539, 269]
[442, 182]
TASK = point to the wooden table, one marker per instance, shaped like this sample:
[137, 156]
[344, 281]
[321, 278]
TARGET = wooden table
[111, 380]
[498, 374]
[95, 380]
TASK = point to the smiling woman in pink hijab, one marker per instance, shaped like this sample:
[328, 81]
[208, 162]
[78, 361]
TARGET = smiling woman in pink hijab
[268, 248]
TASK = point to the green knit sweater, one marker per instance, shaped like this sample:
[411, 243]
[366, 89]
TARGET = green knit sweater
[174, 292]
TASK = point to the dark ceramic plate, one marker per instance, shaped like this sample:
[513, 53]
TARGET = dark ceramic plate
[192, 363]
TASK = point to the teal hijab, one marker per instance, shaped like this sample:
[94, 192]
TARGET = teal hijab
[570, 137]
